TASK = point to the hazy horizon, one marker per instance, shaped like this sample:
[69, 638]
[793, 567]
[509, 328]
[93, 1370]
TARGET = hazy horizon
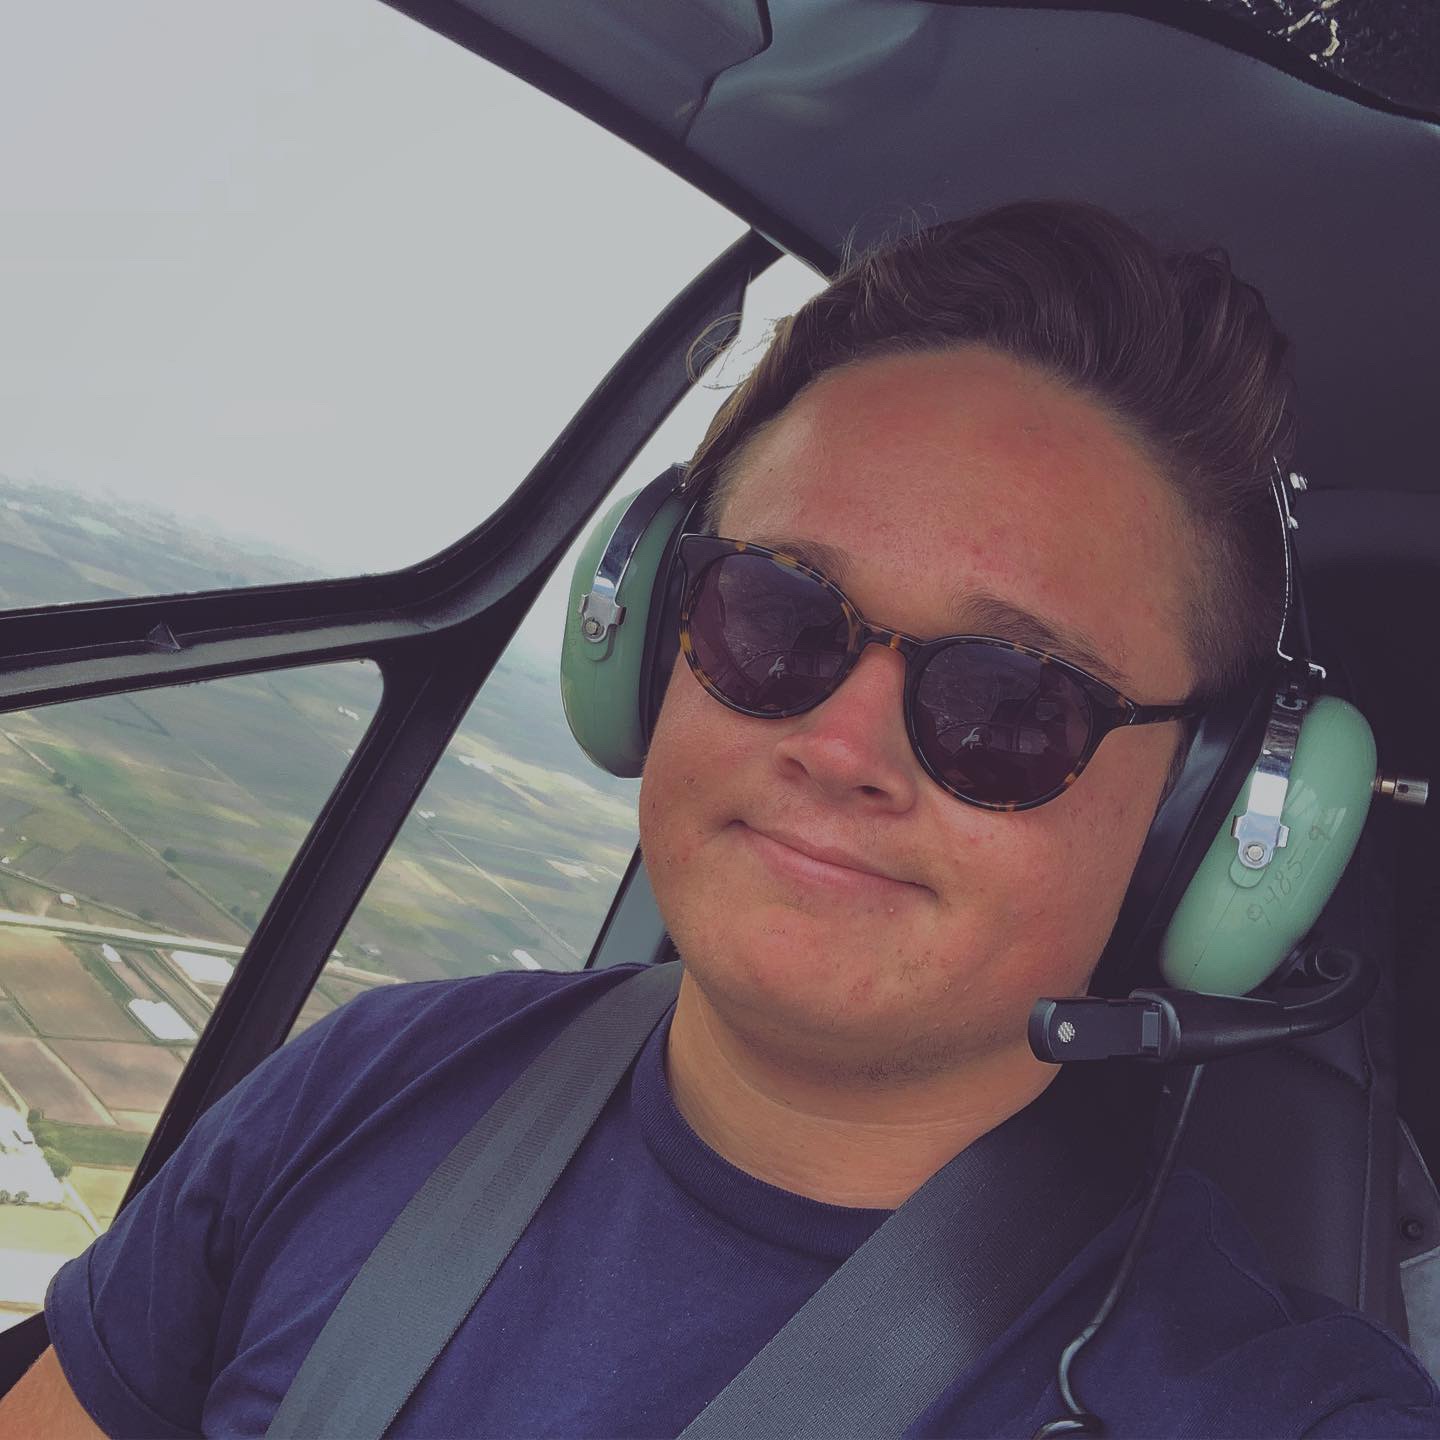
[316, 278]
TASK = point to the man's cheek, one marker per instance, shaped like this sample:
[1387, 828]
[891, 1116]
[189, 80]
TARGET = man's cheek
[674, 812]
[661, 824]
[1057, 884]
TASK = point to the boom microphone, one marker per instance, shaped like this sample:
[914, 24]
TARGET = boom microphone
[1191, 1027]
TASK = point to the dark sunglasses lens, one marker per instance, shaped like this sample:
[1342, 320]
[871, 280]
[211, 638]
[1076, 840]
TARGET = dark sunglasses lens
[997, 725]
[766, 637]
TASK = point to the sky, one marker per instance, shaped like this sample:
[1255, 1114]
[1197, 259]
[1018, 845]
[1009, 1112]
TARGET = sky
[307, 272]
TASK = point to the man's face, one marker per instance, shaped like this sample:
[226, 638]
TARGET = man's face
[925, 929]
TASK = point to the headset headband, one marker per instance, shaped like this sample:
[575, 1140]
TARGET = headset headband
[1258, 832]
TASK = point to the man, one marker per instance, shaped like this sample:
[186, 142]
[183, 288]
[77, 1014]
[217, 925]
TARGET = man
[1031, 427]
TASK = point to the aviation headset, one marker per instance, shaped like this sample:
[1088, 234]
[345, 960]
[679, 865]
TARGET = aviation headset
[1242, 855]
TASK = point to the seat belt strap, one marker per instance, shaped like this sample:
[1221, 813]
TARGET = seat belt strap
[434, 1262]
[904, 1317]
[919, 1303]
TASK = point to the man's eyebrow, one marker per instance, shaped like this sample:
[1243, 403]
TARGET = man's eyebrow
[976, 612]
[984, 613]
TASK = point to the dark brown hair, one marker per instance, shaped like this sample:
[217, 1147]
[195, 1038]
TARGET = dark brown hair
[1174, 347]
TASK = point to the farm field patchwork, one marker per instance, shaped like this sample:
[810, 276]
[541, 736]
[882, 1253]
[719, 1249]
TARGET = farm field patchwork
[169, 809]
[515, 845]
[99, 861]
[130, 878]
[33, 898]
[42, 1082]
[125, 1076]
[119, 723]
[56, 994]
[523, 852]
[292, 778]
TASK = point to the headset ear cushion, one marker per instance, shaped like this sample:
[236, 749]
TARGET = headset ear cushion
[1234, 927]
[604, 684]
[1220, 756]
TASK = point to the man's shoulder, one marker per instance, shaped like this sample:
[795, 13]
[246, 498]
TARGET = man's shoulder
[283, 1187]
[1204, 1340]
[454, 1044]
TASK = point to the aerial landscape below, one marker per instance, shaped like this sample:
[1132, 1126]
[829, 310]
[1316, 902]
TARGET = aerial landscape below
[143, 835]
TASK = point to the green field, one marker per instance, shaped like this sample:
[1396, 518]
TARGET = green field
[91, 1144]
[47, 1230]
[102, 1189]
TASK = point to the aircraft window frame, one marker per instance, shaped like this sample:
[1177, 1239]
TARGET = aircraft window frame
[435, 630]
[272, 311]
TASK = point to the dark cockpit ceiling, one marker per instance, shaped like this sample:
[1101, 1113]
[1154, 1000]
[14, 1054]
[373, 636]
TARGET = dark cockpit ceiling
[822, 120]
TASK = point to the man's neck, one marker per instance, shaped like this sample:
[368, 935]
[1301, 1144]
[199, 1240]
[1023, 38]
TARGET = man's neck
[864, 1145]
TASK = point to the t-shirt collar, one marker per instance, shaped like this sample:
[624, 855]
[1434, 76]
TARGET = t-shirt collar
[761, 1209]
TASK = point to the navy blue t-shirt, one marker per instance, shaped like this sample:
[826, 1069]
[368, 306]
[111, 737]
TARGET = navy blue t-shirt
[648, 1279]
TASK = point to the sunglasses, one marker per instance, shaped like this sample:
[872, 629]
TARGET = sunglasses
[996, 724]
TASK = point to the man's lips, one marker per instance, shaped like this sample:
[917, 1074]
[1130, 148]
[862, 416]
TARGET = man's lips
[826, 866]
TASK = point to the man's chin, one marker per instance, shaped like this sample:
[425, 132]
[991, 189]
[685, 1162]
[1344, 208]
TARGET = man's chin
[778, 956]
[825, 1014]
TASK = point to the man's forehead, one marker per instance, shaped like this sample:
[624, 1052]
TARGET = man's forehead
[1041, 520]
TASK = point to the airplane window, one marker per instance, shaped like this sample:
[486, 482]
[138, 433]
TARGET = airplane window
[140, 838]
[515, 849]
[310, 277]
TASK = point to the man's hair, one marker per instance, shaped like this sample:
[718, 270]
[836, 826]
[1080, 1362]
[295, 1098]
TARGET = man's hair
[1177, 350]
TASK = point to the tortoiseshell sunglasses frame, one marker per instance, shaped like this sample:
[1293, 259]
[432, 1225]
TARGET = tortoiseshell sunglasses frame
[1109, 709]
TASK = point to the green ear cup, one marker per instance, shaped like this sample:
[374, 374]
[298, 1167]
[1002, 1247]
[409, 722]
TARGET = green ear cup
[601, 683]
[1233, 927]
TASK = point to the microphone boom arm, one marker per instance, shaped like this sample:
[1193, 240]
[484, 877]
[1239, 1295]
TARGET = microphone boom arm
[1189, 1027]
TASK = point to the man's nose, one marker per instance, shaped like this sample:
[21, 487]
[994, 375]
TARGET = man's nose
[853, 745]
